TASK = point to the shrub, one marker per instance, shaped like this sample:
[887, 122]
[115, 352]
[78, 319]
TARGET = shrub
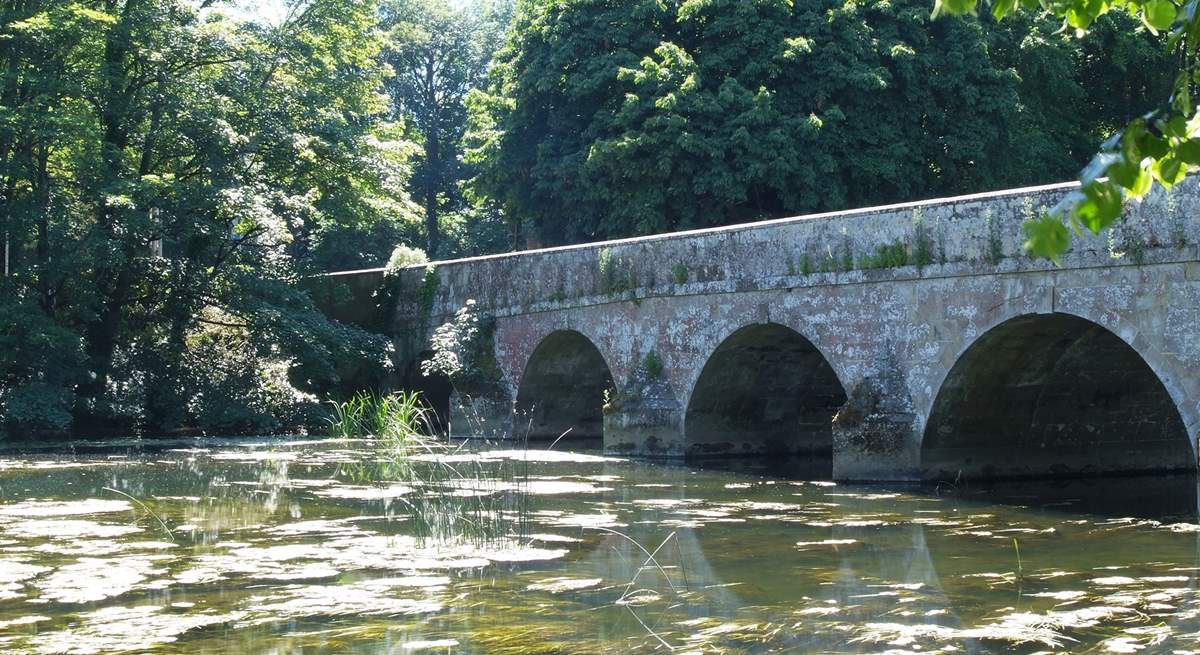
[404, 256]
[680, 273]
[654, 365]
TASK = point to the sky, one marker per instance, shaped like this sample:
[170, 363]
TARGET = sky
[268, 11]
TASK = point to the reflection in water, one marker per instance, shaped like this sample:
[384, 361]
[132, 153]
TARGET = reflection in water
[1165, 496]
[271, 550]
[806, 466]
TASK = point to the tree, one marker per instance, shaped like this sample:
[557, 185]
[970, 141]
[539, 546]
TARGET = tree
[606, 121]
[1158, 146]
[168, 175]
[439, 53]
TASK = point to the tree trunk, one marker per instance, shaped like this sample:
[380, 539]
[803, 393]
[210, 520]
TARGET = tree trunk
[114, 280]
[433, 166]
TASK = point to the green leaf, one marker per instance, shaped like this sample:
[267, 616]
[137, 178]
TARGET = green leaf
[1189, 151]
[1181, 99]
[1046, 237]
[1079, 19]
[1131, 140]
[953, 7]
[1133, 177]
[1153, 146]
[1170, 170]
[1002, 8]
[1176, 127]
[1159, 14]
[1143, 184]
[1100, 207]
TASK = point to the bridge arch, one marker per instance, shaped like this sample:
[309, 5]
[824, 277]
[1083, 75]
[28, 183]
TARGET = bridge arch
[563, 388]
[1052, 394]
[765, 389]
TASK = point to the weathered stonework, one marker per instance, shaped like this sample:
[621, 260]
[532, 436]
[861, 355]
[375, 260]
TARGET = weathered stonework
[644, 419]
[483, 414]
[890, 337]
[876, 427]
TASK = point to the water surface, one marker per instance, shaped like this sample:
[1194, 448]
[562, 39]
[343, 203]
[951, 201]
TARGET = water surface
[277, 546]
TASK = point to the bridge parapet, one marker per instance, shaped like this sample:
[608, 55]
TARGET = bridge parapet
[968, 235]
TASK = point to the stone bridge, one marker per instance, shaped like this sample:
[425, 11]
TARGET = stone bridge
[907, 342]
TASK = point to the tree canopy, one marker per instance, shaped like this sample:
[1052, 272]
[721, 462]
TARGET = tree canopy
[438, 54]
[167, 175]
[1159, 145]
[612, 119]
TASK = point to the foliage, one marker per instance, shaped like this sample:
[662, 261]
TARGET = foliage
[439, 51]
[404, 256]
[892, 255]
[679, 273]
[995, 245]
[1158, 146]
[616, 274]
[653, 364]
[461, 350]
[607, 120]
[400, 418]
[168, 174]
[40, 362]
[923, 246]
[473, 230]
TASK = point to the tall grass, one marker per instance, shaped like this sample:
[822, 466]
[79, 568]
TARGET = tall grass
[479, 501]
[402, 416]
[471, 499]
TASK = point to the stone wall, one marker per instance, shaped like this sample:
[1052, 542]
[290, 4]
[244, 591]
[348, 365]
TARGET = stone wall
[889, 298]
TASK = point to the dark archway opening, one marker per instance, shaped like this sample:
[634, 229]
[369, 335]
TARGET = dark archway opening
[1052, 395]
[563, 389]
[435, 389]
[766, 390]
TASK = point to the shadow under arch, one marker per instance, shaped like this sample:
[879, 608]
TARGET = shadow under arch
[765, 390]
[563, 389]
[1044, 395]
[435, 390]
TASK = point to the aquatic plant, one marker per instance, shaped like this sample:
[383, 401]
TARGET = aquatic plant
[469, 499]
[146, 508]
[448, 494]
[401, 417]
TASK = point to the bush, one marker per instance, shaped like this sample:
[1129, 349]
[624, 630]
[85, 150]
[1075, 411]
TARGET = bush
[236, 388]
[40, 365]
[404, 256]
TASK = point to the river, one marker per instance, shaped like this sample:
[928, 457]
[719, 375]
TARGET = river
[319, 546]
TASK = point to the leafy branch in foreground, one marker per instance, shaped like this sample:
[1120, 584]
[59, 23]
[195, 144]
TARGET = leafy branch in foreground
[1160, 146]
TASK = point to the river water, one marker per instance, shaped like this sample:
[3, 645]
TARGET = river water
[278, 546]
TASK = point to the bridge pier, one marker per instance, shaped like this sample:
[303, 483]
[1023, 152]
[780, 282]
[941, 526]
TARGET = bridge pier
[875, 434]
[483, 414]
[644, 419]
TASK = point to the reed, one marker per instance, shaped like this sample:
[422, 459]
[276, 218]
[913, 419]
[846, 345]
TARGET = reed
[473, 499]
[401, 418]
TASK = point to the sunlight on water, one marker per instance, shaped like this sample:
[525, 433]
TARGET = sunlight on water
[275, 546]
